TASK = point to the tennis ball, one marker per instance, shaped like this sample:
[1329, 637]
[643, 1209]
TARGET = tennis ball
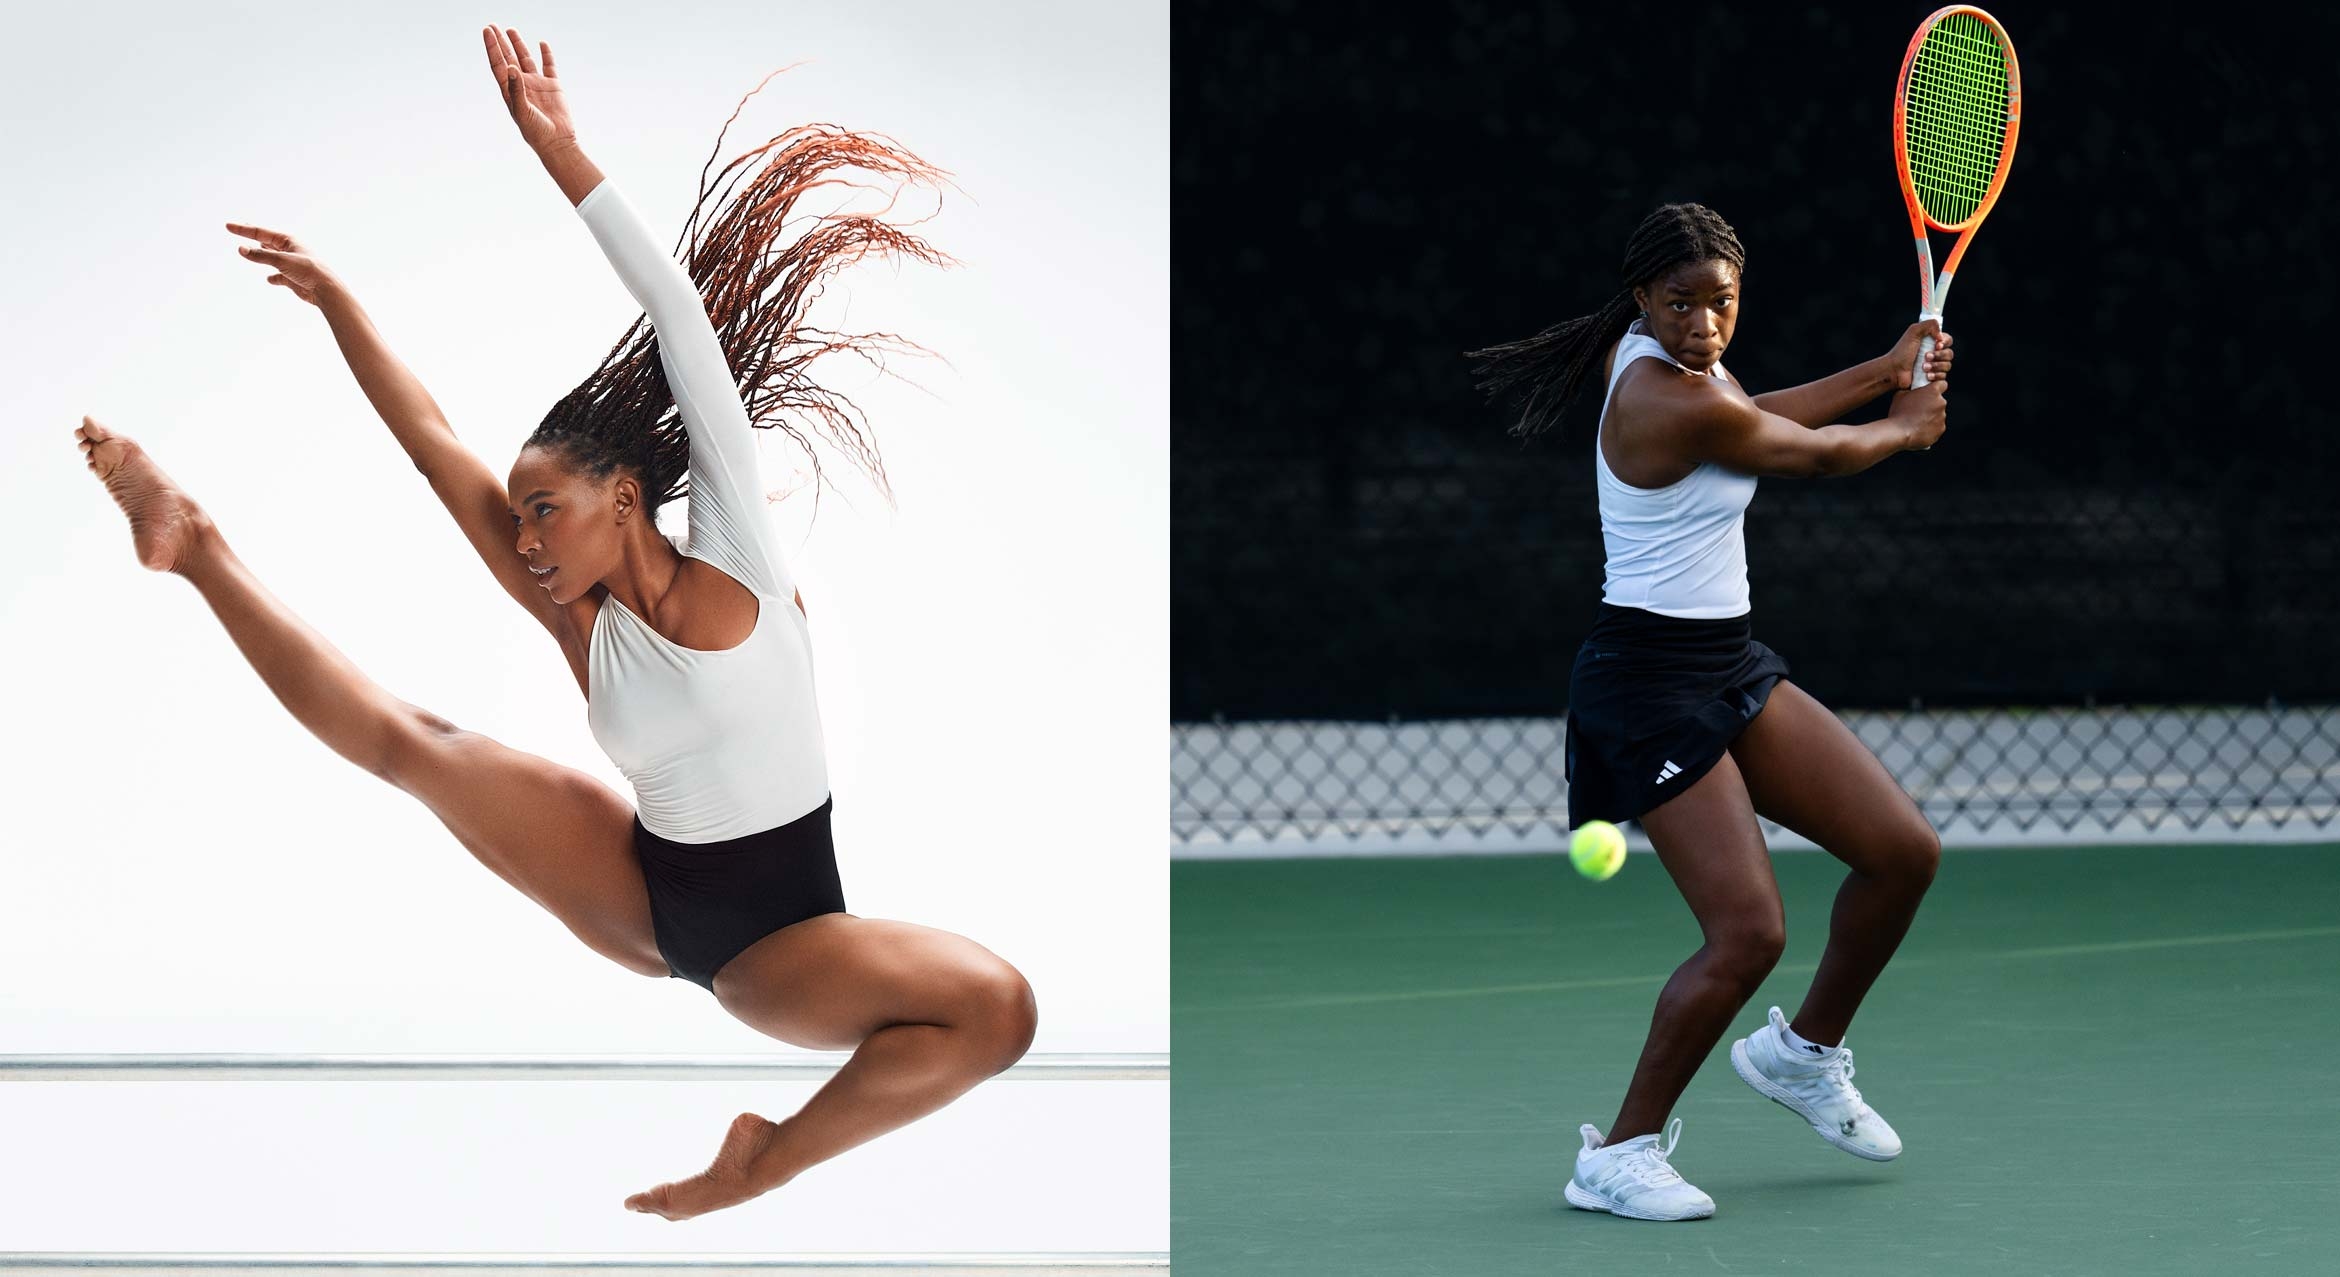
[1597, 849]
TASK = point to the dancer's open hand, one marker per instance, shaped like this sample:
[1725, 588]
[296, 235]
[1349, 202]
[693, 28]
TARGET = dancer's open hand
[533, 99]
[295, 268]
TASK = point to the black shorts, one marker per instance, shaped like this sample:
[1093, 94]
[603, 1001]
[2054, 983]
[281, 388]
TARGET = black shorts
[1653, 702]
[711, 900]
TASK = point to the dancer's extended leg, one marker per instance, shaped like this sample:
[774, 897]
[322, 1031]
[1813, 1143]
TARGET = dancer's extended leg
[557, 834]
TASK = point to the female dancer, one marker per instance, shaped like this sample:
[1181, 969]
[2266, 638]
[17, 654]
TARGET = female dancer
[1679, 719]
[694, 655]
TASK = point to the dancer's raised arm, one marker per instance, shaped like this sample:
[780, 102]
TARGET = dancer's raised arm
[465, 485]
[727, 523]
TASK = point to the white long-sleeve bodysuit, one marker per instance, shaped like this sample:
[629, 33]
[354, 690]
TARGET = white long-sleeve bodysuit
[717, 744]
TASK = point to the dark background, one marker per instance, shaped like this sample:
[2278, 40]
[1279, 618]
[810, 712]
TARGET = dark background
[2133, 502]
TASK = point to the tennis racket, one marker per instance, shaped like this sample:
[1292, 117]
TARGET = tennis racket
[1954, 117]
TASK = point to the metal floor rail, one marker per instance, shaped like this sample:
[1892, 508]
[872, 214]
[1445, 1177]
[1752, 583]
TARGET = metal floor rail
[802, 1066]
[1045, 1264]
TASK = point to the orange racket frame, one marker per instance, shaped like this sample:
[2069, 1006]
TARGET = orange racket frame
[1932, 292]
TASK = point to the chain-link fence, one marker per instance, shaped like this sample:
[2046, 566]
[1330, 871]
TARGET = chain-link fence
[2006, 775]
[1443, 602]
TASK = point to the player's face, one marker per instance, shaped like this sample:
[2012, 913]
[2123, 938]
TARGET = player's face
[1692, 310]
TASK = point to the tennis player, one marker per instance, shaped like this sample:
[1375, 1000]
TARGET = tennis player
[1679, 719]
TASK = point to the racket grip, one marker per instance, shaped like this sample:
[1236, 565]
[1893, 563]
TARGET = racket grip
[1917, 375]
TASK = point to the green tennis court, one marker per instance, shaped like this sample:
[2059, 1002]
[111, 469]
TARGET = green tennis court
[2102, 1059]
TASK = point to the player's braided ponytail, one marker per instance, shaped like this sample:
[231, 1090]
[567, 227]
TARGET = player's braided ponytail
[1547, 369]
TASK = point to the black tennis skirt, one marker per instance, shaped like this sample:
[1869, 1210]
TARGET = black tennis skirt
[1653, 702]
[710, 900]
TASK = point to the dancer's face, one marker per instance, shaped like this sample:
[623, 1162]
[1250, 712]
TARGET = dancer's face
[568, 522]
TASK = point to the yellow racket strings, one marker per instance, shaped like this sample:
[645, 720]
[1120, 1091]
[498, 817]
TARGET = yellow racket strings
[1956, 116]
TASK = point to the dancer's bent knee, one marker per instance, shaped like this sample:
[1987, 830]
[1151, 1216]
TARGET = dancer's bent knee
[1007, 1016]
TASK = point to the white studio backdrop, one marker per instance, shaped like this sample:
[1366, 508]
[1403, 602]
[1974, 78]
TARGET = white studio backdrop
[183, 868]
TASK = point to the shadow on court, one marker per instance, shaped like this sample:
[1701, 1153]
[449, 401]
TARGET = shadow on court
[2101, 1060]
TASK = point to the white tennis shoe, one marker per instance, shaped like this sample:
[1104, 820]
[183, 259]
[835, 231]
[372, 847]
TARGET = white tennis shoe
[1817, 1089]
[1633, 1179]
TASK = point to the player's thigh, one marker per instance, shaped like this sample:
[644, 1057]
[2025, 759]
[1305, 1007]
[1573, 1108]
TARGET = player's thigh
[1805, 769]
[1707, 839]
[560, 836]
[828, 982]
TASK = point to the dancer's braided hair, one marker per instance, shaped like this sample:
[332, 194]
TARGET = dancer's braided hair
[624, 414]
[1548, 368]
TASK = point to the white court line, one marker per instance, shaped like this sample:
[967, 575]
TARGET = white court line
[1068, 1264]
[1613, 982]
[803, 1066]
[2171, 942]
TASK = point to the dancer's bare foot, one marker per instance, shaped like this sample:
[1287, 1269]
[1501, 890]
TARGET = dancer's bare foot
[740, 1173]
[164, 521]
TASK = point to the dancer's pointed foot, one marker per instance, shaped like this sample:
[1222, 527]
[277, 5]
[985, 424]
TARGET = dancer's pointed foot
[740, 1173]
[165, 523]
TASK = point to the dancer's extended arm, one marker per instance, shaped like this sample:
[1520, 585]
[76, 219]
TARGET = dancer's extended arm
[471, 491]
[466, 486]
[728, 526]
[727, 523]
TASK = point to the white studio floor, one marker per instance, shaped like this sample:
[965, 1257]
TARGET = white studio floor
[460, 1166]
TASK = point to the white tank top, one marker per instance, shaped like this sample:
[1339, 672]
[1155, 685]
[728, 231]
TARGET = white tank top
[717, 744]
[1679, 550]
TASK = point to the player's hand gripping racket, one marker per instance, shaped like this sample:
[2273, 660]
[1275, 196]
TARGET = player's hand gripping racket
[1954, 117]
